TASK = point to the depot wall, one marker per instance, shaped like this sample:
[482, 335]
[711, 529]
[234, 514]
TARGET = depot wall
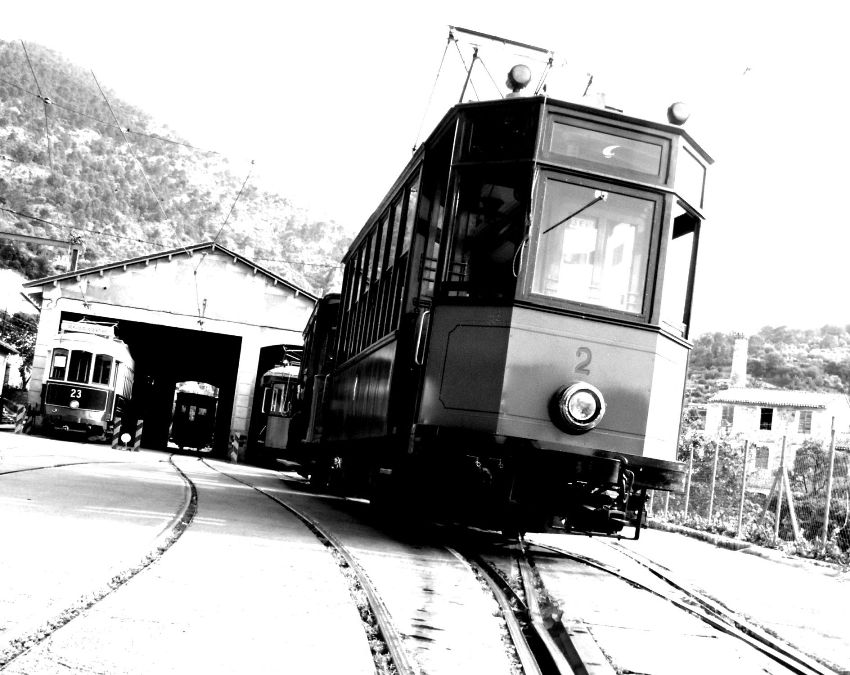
[209, 291]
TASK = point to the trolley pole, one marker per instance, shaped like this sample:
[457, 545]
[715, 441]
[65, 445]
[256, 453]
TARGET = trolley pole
[713, 480]
[743, 489]
[829, 483]
[780, 485]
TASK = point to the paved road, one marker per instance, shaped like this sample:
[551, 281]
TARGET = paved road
[248, 588]
[245, 589]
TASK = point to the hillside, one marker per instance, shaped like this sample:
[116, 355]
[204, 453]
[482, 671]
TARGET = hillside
[134, 189]
[809, 360]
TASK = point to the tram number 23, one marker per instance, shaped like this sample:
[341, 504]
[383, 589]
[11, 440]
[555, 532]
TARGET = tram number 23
[78, 393]
[584, 356]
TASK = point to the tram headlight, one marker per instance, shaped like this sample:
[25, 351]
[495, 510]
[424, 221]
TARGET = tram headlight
[75, 404]
[578, 407]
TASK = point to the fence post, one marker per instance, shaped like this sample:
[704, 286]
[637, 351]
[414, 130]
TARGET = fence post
[829, 483]
[116, 433]
[137, 441]
[666, 503]
[743, 489]
[779, 485]
[713, 480]
[19, 420]
[688, 486]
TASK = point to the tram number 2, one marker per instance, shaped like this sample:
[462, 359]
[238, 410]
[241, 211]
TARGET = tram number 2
[584, 356]
[76, 393]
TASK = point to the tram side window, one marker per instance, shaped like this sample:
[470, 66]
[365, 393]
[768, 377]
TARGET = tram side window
[102, 369]
[375, 276]
[60, 363]
[593, 246]
[488, 230]
[677, 272]
[79, 366]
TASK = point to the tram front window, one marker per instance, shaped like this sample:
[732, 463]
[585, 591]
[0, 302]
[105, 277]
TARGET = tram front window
[488, 229]
[102, 369]
[79, 367]
[593, 246]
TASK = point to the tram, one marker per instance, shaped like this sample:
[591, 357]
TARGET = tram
[193, 421]
[511, 340]
[280, 390]
[89, 382]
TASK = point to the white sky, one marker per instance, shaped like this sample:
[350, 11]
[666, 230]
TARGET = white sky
[327, 98]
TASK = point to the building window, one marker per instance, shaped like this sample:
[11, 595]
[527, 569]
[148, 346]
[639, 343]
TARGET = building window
[762, 457]
[766, 422]
[727, 416]
[805, 424]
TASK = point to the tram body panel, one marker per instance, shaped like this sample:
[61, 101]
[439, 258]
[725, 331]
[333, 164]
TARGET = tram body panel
[359, 398]
[485, 372]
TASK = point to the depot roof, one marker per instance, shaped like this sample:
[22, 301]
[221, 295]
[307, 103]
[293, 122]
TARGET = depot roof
[210, 246]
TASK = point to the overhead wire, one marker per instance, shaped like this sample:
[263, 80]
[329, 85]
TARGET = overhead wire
[433, 89]
[487, 70]
[105, 123]
[45, 102]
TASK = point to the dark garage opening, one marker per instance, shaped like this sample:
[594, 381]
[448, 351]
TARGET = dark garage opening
[165, 356]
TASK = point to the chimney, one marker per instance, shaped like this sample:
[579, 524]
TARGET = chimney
[738, 377]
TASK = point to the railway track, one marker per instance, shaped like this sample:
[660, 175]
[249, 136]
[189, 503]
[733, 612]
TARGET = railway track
[121, 574]
[650, 578]
[539, 636]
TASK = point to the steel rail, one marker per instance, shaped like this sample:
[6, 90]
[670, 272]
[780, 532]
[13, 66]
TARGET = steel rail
[58, 466]
[576, 647]
[723, 620]
[402, 662]
[724, 613]
[529, 646]
[163, 541]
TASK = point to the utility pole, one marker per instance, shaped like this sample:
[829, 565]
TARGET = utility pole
[75, 244]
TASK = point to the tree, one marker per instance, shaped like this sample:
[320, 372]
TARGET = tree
[20, 330]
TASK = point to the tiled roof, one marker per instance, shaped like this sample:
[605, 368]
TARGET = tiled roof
[776, 397]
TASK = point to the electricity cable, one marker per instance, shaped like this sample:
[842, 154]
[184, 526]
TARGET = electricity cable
[73, 110]
[45, 101]
[433, 89]
[492, 79]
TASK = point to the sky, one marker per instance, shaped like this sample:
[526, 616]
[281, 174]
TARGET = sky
[327, 99]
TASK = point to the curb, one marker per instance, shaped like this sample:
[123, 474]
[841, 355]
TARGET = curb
[722, 541]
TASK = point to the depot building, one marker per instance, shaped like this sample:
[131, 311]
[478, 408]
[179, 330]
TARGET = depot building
[197, 316]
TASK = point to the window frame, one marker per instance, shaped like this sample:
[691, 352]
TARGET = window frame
[765, 424]
[529, 256]
[56, 352]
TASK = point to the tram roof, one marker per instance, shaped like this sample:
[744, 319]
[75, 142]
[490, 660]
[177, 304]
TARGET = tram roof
[183, 250]
[456, 110]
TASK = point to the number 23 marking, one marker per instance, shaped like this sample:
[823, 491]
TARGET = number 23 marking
[76, 393]
[585, 357]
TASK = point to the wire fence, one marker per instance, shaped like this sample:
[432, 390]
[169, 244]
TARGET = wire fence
[786, 491]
